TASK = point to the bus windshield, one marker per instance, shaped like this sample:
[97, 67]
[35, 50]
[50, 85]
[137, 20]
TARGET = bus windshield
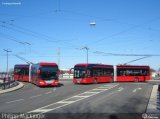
[79, 72]
[49, 73]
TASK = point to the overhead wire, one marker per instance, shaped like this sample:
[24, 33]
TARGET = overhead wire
[124, 31]
[11, 38]
[116, 34]
[136, 60]
[118, 54]
[34, 34]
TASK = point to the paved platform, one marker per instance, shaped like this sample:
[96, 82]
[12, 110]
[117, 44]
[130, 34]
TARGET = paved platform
[154, 101]
[20, 85]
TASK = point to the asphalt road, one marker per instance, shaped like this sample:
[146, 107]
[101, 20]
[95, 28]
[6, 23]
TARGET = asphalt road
[113, 100]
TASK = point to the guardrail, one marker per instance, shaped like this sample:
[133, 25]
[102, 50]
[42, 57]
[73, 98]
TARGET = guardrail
[7, 82]
[66, 76]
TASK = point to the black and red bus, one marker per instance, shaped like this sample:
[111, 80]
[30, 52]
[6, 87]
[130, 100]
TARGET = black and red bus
[45, 74]
[93, 73]
[21, 72]
[127, 73]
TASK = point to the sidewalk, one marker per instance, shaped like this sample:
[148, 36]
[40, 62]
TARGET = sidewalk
[13, 88]
[154, 101]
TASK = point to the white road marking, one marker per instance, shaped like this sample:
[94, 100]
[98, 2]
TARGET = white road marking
[135, 90]
[120, 88]
[42, 110]
[54, 89]
[104, 87]
[81, 96]
[94, 92]
[70, 100]
[35, 96]
[15, 101]
[48, 92]
[91, 92]
[99, 89]
[66, 102]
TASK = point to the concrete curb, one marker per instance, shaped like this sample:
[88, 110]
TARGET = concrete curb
[20, 85]
[153, 104]
[152, 80]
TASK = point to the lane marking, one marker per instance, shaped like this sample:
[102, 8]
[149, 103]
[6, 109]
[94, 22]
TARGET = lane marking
[109, 85]
[48, 92]
[68, 101]
[120, 89]
[35, 96]
[14, 101]
[135, 90]
[94, 92]
[83, 96]
[54, 89]
[42, 110]
[99, 89]
[103, 87]
[90, 92]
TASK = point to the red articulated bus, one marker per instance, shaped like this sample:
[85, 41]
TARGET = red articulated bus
[93, 73]
[21, 72]
[45, 74]
[126, 73]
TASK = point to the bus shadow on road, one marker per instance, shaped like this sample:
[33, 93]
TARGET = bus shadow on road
[58, 86]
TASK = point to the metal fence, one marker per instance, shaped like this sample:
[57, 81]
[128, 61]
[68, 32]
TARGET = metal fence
[66, 76]
[7, 81]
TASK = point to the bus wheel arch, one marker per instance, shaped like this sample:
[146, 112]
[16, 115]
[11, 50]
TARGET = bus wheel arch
[136, 79]
[111, 80]
[95, 81]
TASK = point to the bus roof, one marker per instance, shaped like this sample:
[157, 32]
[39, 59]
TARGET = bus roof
[94, 65]
[132, 66]
[21, 66]
[47, 64]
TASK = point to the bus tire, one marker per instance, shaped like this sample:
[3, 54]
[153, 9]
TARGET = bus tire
[136, 79]
[111, 80]
[95, 81]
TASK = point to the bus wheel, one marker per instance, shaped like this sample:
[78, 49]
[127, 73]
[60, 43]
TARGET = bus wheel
[136, 80]
[111, 80]
[95, 81]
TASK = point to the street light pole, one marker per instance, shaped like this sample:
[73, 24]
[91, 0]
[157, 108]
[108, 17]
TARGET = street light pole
[86, 48]
[7, 51]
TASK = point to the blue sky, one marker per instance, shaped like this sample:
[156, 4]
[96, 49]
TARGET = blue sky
[122, 27]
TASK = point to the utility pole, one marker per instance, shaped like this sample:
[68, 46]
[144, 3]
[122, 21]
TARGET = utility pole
[7, 51]
[86, 48]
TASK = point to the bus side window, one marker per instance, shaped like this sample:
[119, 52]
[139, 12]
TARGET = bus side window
[105, 72]
[88, 73]
[95, 73]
